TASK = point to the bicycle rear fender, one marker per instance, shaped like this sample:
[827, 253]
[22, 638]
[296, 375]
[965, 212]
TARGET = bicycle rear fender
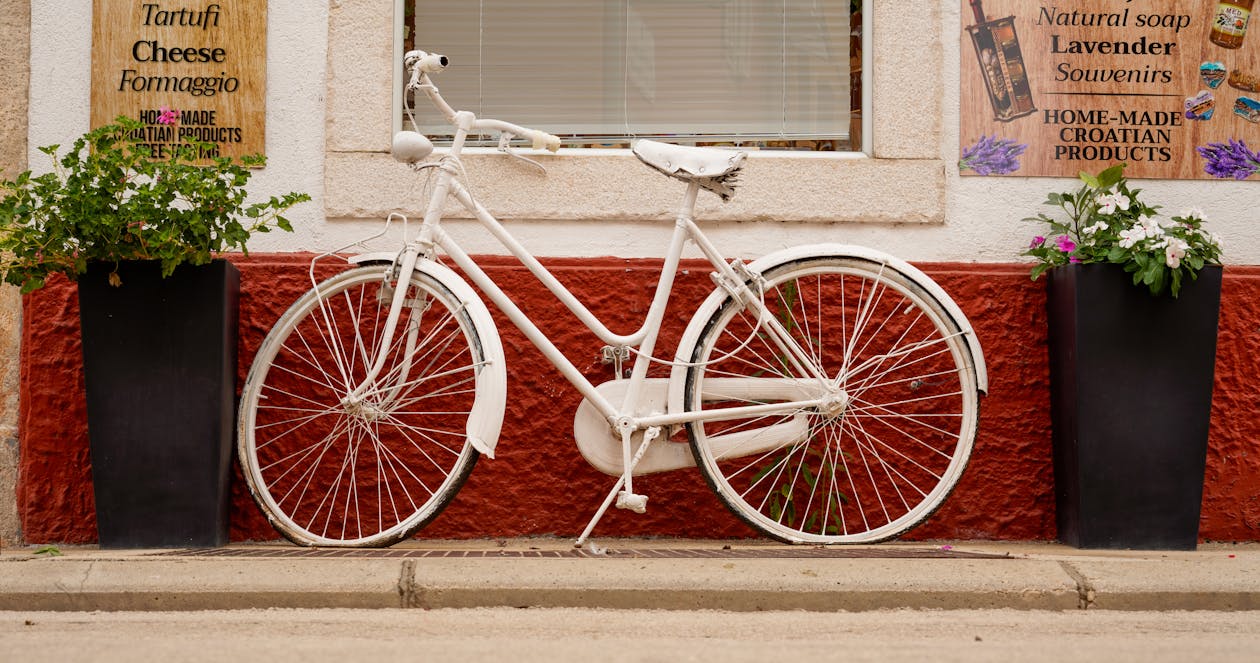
[486, 420]
[678, 375]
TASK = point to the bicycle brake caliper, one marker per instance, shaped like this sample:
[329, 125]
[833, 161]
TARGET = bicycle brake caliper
[738, 290]
[390, 277]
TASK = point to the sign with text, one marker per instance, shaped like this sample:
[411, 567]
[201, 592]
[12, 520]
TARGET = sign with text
[1056, 87]
[206, 60]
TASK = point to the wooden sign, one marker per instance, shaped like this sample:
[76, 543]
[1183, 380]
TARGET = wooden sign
[1169, 87]
[206, 60]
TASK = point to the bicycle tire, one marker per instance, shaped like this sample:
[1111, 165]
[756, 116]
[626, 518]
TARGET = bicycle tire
[861, 473]
[329, 470]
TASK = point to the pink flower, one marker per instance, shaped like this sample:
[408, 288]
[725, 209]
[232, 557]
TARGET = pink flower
[1037, 241]
[1066, 244]
[167, 115]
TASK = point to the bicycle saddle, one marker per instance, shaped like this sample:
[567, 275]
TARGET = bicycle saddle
[713, 169]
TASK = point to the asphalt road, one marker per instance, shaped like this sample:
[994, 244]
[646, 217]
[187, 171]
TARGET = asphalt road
[555, 635]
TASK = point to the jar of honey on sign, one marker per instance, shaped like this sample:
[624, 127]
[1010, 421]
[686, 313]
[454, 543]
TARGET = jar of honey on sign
[1229, 22]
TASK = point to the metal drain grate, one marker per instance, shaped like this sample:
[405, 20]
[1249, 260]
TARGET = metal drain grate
[786, 552]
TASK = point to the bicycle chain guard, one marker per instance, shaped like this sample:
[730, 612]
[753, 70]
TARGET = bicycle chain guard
[600, 444]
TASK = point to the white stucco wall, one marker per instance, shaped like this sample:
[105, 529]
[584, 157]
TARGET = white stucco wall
[329, 70]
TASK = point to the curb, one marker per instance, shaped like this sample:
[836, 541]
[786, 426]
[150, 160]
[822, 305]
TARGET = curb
[112, 581]
[674, 584]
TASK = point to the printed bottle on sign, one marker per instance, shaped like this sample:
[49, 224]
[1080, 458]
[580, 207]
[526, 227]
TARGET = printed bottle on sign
[1001, 64]
[1229, 23]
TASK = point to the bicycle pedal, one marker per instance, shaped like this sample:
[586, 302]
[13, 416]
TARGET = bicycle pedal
[632, 502]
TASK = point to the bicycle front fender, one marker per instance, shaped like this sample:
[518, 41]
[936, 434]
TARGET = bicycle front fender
[678, 375]
[486, 419]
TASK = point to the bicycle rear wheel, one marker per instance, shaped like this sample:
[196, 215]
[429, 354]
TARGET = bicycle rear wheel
[878, 459]
[330, 467]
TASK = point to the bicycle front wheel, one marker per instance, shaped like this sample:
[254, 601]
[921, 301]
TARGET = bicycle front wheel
[336, 459]
[896, 434]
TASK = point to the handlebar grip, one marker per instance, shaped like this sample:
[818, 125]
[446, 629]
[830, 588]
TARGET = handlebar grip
[429, 63]
[544, 140]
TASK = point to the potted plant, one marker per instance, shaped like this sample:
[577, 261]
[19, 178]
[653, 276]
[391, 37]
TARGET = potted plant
[141, 228]
[1132, 303]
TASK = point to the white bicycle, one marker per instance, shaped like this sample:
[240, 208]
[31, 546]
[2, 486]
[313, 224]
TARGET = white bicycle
[828, 393]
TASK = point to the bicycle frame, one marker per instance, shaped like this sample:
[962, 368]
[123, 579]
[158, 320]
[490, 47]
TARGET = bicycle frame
[644, 338]
[432, 235]
[732, 277]
[620, 416]
[897, 387]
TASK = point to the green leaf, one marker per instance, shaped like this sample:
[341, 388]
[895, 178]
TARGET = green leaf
[1110, 177]
[107, 199]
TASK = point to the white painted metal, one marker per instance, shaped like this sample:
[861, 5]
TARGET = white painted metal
[846, 449]
[692, 334]
[300, 352]
[486, 420]
[618, 422]
[601, 446]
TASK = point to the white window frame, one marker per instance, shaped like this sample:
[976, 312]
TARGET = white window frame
[900, 180]
[867, 61]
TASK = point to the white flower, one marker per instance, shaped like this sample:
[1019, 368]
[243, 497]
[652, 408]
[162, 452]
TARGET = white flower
[1101, 225]
[1193, 213]
[1108, 203]
[1151, 228]
[1130, 236]
[1174, 251]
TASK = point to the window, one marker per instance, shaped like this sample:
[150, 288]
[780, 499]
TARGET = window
[771, 73]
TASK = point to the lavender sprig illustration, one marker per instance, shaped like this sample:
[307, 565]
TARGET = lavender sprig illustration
[1234, 160]
[992, 156]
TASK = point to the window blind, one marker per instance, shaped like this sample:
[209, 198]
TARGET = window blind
[599, 72]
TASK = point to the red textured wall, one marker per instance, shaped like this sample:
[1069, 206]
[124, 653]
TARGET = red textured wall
[539, 484]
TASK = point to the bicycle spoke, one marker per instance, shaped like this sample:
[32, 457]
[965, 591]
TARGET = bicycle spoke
[892, 428]
[337, 458]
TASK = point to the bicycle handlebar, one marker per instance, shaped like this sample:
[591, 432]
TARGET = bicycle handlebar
[422, 63]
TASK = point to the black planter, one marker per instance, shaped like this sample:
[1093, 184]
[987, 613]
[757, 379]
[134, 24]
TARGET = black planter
[1131, 396]
[159, 357]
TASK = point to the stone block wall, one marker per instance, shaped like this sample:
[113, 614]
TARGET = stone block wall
[15, 20]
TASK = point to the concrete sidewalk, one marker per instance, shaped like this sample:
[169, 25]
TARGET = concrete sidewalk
[635, 573]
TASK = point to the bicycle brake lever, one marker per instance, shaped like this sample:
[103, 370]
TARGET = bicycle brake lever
[505, 146]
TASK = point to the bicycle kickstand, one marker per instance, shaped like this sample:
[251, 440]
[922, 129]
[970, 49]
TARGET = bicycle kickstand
[626, 499]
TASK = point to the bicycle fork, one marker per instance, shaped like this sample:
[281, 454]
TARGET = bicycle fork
[402, 269]
[398, 302]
